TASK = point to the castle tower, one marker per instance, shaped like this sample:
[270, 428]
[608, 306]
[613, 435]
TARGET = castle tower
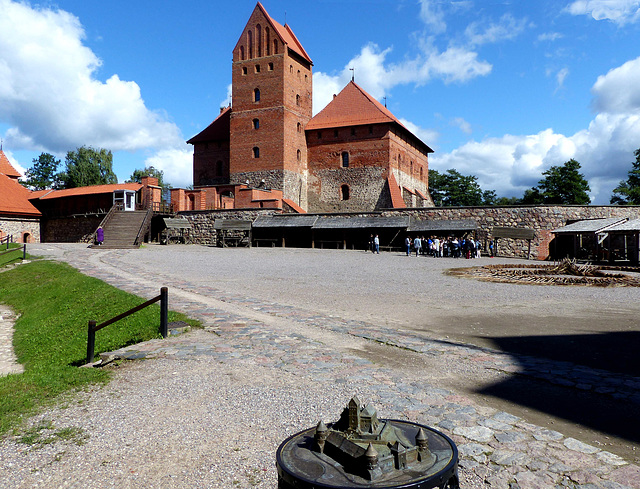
[271, 105]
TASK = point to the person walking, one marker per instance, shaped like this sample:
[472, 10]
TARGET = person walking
[417, 244]
[407, 245]
[376, 244]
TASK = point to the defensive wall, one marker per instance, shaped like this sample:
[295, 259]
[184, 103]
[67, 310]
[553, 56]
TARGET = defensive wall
[541, 219]
[19, 228]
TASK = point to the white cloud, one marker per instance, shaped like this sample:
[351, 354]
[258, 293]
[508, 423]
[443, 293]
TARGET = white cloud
[176, 163]
[51, 98]
[433, 16]
[618, 11]
[506, 28]
[561, 76]
[461, 124]
[550, 36]
[377, 77]
[618, 92]
[427, 136]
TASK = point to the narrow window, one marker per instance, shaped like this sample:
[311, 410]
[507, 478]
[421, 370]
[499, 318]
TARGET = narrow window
[290, 68]
[241, 53]
[259, 40]
[298, 73]
[344, 192]
[256, 123]
[411, 168]
[268, 41]
[306, 78]
[299, 155]
[250, 43]
[275, 46]
[345, 159]
[299, 127]
[257, 68]
[256, 95]
[270, 66]
[244, 70]
[297, 99]
[256, 152]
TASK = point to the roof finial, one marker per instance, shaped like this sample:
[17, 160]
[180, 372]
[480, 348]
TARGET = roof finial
[1, 141]
[385, 100]
[353, 74]
[285, 17]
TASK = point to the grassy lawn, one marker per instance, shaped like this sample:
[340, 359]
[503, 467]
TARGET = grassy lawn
[14, 256]
[55, 303]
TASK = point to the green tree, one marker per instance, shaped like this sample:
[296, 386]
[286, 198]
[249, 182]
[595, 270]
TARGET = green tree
[451, 188]
[88, 166]
[150, 171]
[564, 185]
[628, 191]
[532, 196]
[43, 172]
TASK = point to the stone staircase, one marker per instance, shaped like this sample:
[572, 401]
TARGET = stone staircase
[121, 229]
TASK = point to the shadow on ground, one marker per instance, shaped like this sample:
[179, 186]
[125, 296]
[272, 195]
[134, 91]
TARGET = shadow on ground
[613, 352]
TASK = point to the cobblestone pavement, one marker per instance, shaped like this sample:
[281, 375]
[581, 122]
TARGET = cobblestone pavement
[497, 449]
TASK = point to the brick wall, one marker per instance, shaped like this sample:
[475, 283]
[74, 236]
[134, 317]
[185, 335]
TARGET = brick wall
[17, 227]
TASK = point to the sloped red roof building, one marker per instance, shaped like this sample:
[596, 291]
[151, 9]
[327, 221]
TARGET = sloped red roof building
[18, 217]
[354, 155]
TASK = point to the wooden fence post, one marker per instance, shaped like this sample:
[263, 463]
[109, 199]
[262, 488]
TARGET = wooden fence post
[91, 341]
[164, 312]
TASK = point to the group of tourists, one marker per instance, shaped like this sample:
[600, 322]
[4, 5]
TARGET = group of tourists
[445, 247]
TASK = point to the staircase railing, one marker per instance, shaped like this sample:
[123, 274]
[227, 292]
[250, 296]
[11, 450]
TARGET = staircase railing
[146, 223]
[118, 206]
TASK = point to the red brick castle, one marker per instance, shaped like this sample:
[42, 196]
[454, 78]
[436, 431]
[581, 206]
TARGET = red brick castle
[266, 149]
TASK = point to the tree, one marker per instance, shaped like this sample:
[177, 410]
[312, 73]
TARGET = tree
[43, 172]
[87, 166]
[150, 171]
[564, 185]
[454, 189]
[628, 191]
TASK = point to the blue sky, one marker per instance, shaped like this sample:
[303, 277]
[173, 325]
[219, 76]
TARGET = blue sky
[499, 89]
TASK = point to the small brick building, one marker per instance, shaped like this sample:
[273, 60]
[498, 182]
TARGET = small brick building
[267, 151]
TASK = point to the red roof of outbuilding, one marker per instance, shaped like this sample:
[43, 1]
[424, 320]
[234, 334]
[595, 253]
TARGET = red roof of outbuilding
[14, 198]
[90, 190]
[6, 168]
[218, 130]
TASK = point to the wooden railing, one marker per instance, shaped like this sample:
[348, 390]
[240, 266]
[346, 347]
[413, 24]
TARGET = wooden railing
[146, 223]
[163, 298]
[9, 239]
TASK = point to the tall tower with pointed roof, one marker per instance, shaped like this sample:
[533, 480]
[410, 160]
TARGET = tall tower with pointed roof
[271, 105]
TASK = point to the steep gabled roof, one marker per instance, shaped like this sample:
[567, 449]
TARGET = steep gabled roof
[218, 130]
[14, 198]
[286, 34]
[353, 106]
[6, 168]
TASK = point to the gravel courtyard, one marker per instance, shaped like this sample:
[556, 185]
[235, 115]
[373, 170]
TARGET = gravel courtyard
[538, 385]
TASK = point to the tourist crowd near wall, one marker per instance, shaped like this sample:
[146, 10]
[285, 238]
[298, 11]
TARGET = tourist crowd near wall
[541, 219]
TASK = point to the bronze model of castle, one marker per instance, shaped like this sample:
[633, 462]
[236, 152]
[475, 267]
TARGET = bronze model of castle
[369, 447]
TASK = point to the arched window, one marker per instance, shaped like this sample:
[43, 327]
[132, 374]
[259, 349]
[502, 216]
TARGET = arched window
[242, 53]
[26, 237]
[218, 168]
[411, 168]
[256, 95]
[250, 43]
[275, 46]
[256, 123]
[267, 43]
[290, 68]
[297, 99]
[345, 159]
[259, 40]
[299, 127]
[299, 155]
[344, 192]
[256, 152]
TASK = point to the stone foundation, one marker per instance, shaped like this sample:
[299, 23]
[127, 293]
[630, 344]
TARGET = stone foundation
[19, 227]
[70, 229]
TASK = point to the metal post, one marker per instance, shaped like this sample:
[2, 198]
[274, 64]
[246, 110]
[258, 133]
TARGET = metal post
[164, 312]
[91, 341]
[24, 252]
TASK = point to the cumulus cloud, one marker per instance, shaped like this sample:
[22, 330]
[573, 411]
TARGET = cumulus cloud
[618, 11]
[618, 92]
[51, 97]
[427, 136]
[461, 124]
[432, 15]
[376, 76]
[176, 163]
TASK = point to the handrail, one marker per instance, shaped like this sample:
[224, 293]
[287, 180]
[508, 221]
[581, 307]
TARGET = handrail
[143, 226]
[114, 208]
[164, 318]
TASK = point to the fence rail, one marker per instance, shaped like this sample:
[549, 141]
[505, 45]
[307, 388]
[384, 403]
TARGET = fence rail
[9, 239]
[163, 298]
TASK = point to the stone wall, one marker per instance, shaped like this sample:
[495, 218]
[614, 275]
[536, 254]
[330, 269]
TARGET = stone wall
[17, 227]
[541, 219]
[70, 229]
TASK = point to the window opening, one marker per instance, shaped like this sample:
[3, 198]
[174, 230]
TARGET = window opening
[345, 159]
[256, 152]
[270, 66]
[257, 68]
[244, 70]
[256, 123]
[299, 155]
[344, 192]
[256, 95]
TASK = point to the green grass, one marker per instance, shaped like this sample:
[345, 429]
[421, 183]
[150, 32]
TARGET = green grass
[55, 303]
[14, 256]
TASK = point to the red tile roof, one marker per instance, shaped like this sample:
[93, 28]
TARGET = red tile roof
[14, 198]
[287, 35]
[218, 130]
[90, 190]
[6, 168]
